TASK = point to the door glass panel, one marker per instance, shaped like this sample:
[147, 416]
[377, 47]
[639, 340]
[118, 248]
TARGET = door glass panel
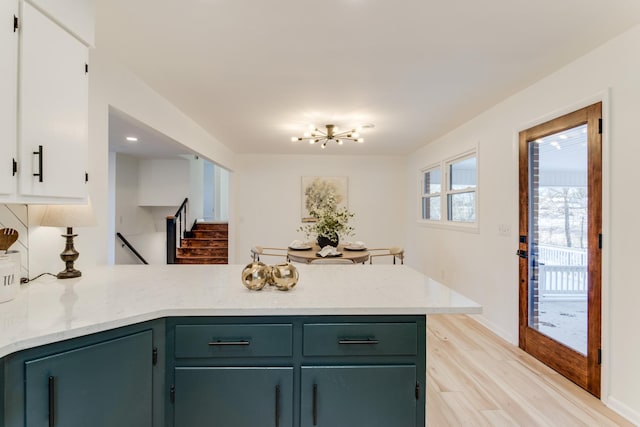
[558, 237]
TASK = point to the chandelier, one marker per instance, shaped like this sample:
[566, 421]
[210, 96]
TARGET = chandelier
[331, 134]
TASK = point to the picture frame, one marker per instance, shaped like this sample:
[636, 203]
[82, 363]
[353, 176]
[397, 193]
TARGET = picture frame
[316, 189]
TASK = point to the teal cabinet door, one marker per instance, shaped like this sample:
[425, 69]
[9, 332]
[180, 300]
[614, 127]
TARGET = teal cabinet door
[233, 397]
[358, 396]
[103, 385]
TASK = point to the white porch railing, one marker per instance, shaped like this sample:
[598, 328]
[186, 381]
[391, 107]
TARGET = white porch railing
[562, 273]
[562, 281]
[557, 255]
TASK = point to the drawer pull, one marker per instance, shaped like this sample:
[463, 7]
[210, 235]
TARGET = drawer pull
[368, 341]
[241, 342]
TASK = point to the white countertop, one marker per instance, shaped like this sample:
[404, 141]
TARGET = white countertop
[49, 310]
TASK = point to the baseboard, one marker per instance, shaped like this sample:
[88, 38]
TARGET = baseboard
[510, 338]
[630, 414]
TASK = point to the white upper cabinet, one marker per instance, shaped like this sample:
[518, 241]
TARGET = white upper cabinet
[77, 16]
[53, 109]
[8, 93]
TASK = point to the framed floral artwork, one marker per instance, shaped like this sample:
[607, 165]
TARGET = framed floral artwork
[317, 189]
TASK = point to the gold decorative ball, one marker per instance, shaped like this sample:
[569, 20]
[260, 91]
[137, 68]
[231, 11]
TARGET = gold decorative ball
[284, 276]
[255, 275]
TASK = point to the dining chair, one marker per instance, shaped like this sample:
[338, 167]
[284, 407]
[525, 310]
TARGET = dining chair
[395, 252]
[258, 251]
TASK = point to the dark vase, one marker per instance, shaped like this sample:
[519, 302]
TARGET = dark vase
[325, 241]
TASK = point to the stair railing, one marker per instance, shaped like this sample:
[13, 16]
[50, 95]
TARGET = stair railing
[126, 243]
[176, 230]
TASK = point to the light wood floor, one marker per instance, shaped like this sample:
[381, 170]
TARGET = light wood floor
[474, 378]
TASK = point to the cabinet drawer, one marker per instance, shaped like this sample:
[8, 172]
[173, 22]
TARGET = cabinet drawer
[233, 340]
[358, 339]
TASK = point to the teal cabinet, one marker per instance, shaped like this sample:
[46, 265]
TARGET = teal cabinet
[234, 396]
[348, 396]
[296, 371]
[102, 385]
[251, 371]
[107, 379]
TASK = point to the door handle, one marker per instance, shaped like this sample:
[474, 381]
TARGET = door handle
[52, 401]
[522, 253]
[40, 154]
[315, 404]
[277, 406]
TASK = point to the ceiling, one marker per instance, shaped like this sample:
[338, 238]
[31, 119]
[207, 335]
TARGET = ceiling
[150, 143]
[255, 73]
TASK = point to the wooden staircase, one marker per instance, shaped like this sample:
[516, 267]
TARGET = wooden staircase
[207, 243]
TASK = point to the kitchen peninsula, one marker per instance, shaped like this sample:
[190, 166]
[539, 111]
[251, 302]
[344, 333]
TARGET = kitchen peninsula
[177, 345]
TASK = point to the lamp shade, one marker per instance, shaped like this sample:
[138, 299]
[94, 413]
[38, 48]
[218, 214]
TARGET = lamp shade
[68, 216]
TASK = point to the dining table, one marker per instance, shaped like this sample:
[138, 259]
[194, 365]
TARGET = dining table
[310, 253]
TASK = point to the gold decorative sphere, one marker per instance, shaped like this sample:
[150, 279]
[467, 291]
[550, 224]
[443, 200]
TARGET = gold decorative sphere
[284, 276]
[255, 275]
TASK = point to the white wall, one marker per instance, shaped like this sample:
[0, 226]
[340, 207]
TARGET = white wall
[483, 266]
[141, 226]
[113, 85]
[163, 182]
[268, 197]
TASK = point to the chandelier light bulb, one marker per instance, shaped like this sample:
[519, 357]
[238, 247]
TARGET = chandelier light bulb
[360, 140]
[294, 138]
[339, 141]
[355, 134]
[306, 134]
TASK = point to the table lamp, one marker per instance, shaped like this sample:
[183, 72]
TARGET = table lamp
[68, 216]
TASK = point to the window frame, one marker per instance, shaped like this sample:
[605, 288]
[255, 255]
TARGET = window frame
[451, 192]
[423, 172]
[445, 192]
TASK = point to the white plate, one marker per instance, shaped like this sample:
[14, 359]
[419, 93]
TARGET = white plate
[355, 248]
[300, 248]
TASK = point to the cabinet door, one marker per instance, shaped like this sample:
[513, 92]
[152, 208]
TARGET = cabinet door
[53, 105]
[8, 94]
[102, 385]
[358, 396]
[230, 396]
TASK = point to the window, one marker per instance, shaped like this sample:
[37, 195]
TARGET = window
[431, 186]
[448, 191]
[461, 189]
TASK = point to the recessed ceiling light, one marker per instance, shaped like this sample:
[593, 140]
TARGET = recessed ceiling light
[132, 139]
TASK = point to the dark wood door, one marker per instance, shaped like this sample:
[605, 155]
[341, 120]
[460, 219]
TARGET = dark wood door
[560, 244]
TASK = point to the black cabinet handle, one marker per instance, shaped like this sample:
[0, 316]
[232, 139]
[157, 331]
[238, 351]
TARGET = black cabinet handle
[277, 406]
[14, 167]
[52, 401]
[358, 342]
[315, 404]
[40, 154]
[241, 342]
